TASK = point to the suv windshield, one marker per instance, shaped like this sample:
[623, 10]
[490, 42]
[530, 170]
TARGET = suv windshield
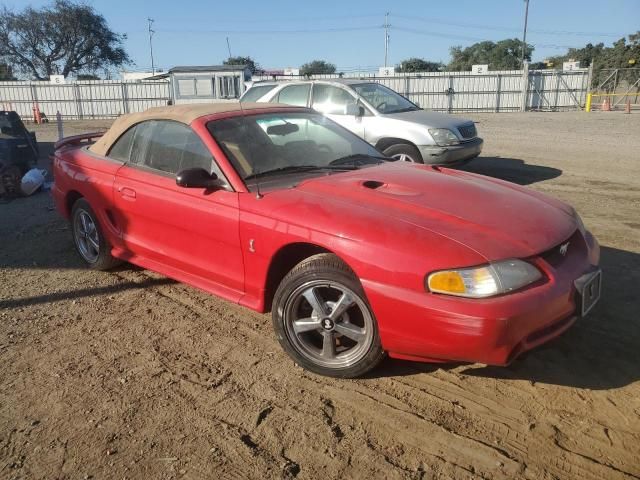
[290, 142]
[383, 99]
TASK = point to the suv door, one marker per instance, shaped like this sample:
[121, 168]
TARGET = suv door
[332, 101]
[184, 232]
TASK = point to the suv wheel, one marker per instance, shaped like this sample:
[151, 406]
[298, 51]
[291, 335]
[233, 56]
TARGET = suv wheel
[404, 153]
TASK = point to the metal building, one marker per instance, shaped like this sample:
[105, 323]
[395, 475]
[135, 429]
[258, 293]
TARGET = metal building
[212, 83]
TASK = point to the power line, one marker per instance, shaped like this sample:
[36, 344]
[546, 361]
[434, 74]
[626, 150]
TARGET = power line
[274, 32]
[476, 26]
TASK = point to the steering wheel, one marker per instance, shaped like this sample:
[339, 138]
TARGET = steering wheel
[380, 107]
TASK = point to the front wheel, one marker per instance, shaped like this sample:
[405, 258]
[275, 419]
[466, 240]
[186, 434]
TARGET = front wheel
[404, 153]
[323, 320]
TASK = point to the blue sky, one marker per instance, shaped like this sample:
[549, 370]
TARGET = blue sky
[349, 33]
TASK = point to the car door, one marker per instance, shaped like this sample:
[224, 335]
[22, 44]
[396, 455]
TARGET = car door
[179, 231]
[332, 101]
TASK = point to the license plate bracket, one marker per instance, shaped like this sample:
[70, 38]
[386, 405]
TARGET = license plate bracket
[589, 287]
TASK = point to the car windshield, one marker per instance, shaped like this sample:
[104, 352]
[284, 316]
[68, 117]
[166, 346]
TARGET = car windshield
[383, 99]
[289, 143]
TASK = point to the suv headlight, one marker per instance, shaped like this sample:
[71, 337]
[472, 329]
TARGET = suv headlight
[485, 281]
[443, 137]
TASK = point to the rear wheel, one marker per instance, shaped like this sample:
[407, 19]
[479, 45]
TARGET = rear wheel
[323, 320]
[404, 153]
[88, 238]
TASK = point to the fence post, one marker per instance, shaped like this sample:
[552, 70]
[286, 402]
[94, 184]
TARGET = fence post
[125, 100]
[450, 94]
[59, 123]
[498, 93]
[78, 99]
[525, 87]
[587, 107]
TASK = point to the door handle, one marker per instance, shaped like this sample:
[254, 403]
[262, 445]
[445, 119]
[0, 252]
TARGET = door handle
[127, 192]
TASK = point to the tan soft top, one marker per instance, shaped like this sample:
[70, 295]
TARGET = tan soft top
[186, 113]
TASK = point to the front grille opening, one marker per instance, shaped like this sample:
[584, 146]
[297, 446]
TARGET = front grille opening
[554, 256]
[467, 131]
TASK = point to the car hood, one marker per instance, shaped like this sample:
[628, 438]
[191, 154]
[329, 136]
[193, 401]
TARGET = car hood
[494, 218]
[429, 119]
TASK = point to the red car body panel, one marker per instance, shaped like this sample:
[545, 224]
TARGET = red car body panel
[392, 224]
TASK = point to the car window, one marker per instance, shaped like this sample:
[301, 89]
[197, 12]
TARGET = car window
[169, 147]
[257, 92]
[383, 99]
[122, 148]
[330, 99]
[294, 95]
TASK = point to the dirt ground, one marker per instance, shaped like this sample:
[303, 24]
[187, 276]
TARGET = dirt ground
[128, 374]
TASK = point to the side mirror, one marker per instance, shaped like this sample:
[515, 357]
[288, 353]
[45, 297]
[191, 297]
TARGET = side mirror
[197, 178]
[354, 109]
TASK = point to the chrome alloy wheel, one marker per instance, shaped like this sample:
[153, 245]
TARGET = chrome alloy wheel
[403, 157]
[86, 236]
[328, 324]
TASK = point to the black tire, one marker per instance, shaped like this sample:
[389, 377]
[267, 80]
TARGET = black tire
[103, 260]
[404, 149]
[328, 273]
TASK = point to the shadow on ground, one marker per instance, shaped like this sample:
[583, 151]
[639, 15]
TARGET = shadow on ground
[511, 169]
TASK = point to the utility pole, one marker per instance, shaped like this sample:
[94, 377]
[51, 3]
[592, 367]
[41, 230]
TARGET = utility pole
[386, 37]
[151, 32]
[229, 47]
[524, 33]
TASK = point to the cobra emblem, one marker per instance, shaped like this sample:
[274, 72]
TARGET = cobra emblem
[564, 248]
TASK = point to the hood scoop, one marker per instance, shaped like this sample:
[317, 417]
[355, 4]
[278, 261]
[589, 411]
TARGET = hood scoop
[372, 184]
[389, 188]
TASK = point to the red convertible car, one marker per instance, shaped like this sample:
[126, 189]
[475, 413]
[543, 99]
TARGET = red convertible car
[278, 208]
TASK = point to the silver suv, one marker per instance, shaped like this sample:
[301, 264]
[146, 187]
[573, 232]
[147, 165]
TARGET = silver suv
[395, 126]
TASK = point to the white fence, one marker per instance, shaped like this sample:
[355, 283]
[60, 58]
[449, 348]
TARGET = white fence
[494, 91]
[84, 99]
[497, 91]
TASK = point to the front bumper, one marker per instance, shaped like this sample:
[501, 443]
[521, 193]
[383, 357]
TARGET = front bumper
[452, 155]
[430, 327]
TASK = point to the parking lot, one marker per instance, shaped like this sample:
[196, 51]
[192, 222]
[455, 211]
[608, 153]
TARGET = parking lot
[128, 374]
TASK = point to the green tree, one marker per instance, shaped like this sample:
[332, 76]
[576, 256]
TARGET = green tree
[6, 73]
[61, 38]
[247, 61]
[624, 53]
[317, 67]
[502, 55]
[87, 76]
[419, 65]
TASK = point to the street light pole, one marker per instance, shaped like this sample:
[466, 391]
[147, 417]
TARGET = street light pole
[151, 32]
[524, 32]
[386, 37]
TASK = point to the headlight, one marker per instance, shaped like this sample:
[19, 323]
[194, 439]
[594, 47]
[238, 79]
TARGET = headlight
[443, 136]
[486, 281]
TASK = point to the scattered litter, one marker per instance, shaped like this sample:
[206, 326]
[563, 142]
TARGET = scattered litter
[32, 181]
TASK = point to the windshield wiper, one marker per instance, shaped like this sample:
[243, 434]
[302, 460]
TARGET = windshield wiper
[357, 159]
[402, 110]
[298, 168]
